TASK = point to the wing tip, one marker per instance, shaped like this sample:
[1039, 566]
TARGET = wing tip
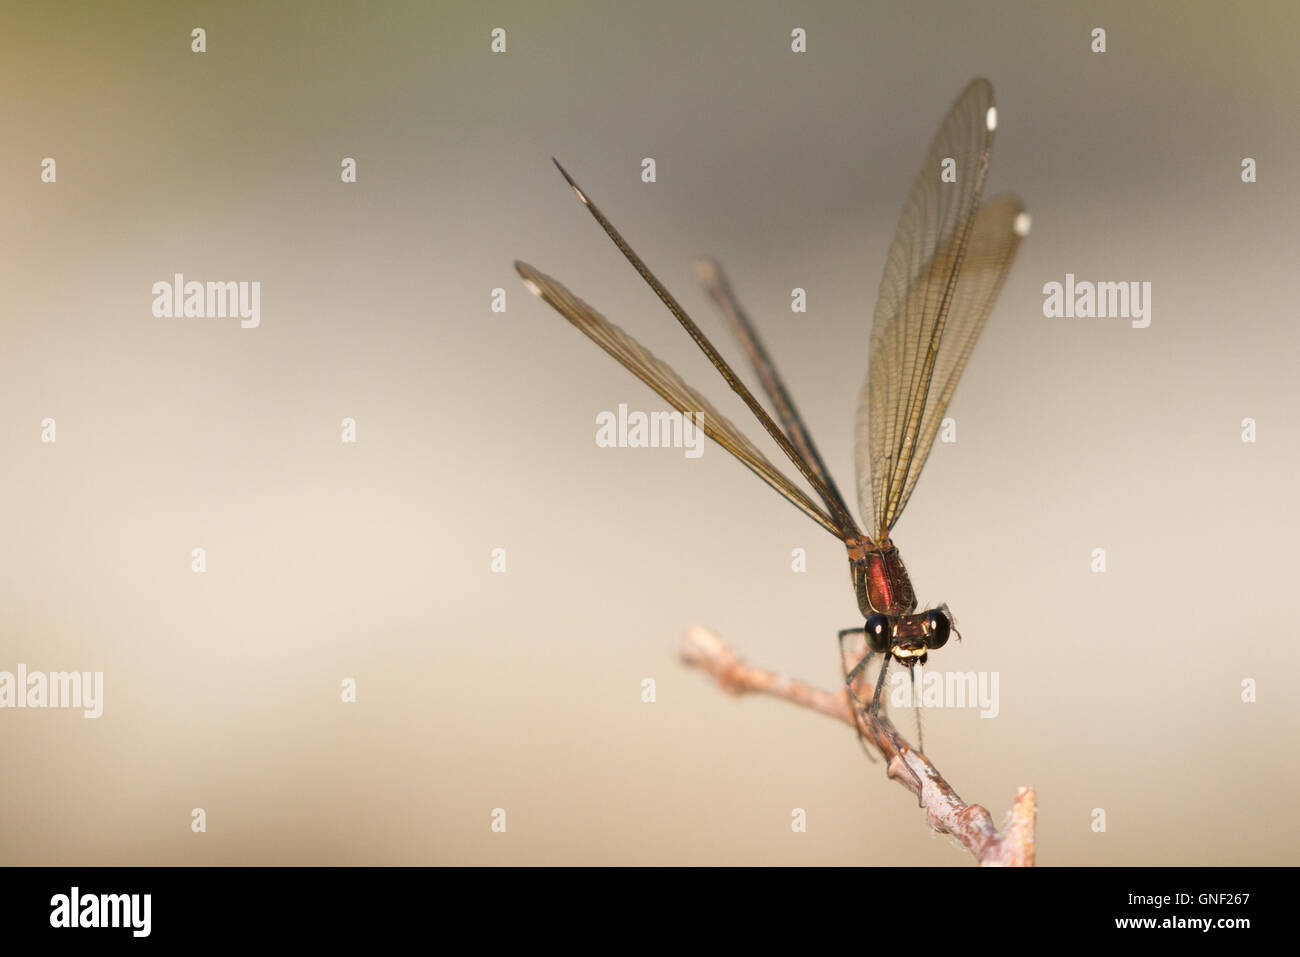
[706, 269]
[979, 89]
[572, 185]
[529, 274]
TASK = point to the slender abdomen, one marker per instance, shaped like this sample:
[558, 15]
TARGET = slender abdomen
[880, 580]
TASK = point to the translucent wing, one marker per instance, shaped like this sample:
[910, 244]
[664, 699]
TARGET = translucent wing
[660, 377]
[918, 291]
[834, 505]
[999, 227]
[718, 286]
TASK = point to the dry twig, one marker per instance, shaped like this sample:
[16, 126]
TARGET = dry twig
[944, 810]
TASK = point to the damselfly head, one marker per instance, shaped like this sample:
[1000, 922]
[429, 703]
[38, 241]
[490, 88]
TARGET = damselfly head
[909, 638]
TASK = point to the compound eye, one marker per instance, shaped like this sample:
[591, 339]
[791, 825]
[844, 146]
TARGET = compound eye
[879, 628]
[936, 629]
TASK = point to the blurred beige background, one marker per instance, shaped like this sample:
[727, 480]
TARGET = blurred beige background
[476, 430]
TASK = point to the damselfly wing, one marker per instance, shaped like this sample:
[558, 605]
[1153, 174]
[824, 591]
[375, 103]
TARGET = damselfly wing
[945, 267]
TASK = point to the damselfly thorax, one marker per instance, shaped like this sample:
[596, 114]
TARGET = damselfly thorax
[880, 579]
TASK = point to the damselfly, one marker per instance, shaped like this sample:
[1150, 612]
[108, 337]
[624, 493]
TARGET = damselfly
[946, 265]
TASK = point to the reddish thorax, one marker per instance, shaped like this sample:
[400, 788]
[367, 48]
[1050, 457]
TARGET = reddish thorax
[880, 579]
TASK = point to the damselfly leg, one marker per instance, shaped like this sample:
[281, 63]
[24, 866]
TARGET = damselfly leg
[916, 708]
[855, 656]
